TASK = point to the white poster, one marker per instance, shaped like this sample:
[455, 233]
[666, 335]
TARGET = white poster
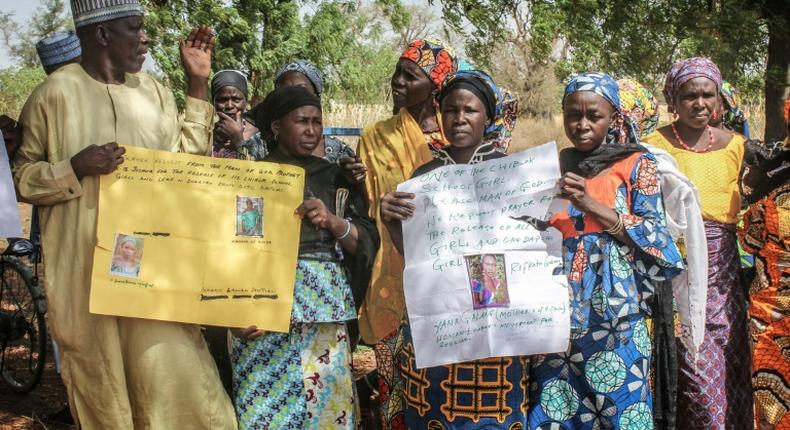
[477, 282]
[10, 226]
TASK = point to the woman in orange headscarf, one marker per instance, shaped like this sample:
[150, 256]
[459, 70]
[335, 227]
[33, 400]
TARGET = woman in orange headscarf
[390, 150]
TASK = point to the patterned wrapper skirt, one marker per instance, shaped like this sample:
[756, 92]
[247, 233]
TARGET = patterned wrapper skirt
[296, 380]
[718, 395]
[601, 383]
[481, 394]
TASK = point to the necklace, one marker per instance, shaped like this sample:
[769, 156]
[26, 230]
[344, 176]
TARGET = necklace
[688, 148]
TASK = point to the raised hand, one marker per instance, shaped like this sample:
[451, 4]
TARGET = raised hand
[196, 58]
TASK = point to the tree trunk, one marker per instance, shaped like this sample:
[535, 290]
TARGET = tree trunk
[777, 71]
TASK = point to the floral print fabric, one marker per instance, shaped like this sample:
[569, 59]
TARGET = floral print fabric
[296, 380]
[602, 382]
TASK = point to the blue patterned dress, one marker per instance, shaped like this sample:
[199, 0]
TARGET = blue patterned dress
[602, 381]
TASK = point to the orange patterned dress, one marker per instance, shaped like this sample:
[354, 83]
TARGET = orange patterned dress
[766, 234]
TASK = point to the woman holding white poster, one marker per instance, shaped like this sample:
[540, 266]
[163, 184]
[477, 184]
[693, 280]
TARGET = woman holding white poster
[477, 119]
[615, 242]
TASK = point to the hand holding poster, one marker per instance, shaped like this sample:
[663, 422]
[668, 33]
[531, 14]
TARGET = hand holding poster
[196, 239]
[477, 282]
[10, 225]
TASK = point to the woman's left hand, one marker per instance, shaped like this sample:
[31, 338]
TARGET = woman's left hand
[317, 213]
[574, 188]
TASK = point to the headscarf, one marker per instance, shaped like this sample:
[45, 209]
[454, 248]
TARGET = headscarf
[734, 118]
[228, 78]
[686, 70]
[279, 103]
[639, 104]
[431, 55]
[621, 140]
[306, 68]
[501, 108]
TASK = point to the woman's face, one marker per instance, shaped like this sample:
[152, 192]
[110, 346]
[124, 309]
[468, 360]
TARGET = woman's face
[410, 85]
[128, 250]
[230, 101]
[296, 79]
[696, 101]
[489, 266]
[299, 131]
[463, 118]
[587, 118]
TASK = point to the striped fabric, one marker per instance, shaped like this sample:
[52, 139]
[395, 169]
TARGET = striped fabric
[58, 48]
[88, 12]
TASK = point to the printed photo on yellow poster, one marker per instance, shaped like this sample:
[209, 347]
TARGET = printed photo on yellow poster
[196, 239]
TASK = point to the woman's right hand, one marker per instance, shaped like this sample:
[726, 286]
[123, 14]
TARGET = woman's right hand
[250, 333]
[395, 206]
[231, 129]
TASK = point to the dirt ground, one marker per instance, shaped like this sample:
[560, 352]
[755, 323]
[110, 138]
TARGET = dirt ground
[31, 411]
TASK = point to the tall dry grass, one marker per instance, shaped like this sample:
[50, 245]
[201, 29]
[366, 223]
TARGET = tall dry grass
[529, 132]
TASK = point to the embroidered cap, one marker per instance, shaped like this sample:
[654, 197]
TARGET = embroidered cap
[58, 48]
[88, 12]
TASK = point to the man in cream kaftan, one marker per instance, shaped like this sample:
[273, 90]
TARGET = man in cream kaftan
[120, 373]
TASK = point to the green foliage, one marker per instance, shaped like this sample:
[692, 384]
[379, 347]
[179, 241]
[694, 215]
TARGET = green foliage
[16, 84]
[258, 36]
[635, 38]
[21, 38]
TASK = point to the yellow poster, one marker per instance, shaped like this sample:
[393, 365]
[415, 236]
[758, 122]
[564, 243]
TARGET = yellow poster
[197, 239]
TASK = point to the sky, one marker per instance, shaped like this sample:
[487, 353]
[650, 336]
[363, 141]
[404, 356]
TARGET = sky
[24, 9]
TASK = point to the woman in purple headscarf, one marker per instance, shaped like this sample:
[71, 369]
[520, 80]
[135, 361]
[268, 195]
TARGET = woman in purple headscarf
[714, 385]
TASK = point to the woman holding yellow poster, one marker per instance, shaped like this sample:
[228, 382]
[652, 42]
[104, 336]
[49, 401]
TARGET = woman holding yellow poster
[302, 379]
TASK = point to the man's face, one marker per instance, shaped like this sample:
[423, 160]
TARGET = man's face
[127, 43]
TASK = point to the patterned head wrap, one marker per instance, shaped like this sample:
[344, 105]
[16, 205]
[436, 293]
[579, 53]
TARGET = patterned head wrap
[639, 104]
[436, 60]
[734, 118]
[306, 68]
[621, 141]
[501, 109]
[623, 130]
[686, 70]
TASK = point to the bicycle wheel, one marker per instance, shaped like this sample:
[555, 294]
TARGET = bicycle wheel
[24, 338]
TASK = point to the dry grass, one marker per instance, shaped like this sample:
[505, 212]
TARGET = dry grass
[529, 132]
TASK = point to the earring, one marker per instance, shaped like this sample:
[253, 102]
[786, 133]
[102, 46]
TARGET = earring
[276, 137]
[715, 115]
[674, 116]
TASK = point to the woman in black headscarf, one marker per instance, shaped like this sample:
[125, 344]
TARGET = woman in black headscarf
[234, 136]
[302, 379]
